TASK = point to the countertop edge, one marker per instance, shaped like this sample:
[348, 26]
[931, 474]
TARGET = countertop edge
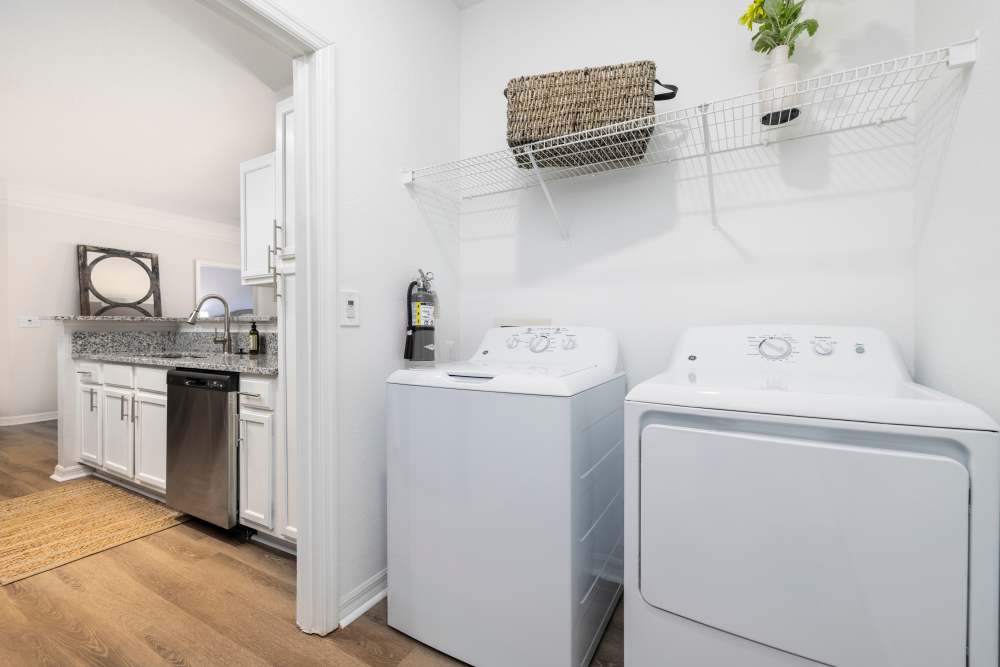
[242, 319]
[271, 369]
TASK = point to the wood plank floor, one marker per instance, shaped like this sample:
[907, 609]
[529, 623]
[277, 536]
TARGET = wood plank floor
[27, 458]
[189, 595]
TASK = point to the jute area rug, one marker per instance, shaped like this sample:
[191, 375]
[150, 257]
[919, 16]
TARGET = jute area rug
[43, 530]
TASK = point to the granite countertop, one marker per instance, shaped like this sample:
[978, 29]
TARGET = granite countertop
[143, 318]
[264, 364]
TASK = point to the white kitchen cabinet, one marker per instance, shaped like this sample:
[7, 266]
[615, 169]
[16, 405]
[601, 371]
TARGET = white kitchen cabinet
[123, 422]
[284, 183]
[151, 440]
[89, 428]
[257, 220]
[257, 468]
[287, 460]
[286, 478]
[116, 406]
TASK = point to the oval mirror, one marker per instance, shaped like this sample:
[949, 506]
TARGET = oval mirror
[119, 279]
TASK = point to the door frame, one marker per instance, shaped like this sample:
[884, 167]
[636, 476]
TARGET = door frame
[317, 601]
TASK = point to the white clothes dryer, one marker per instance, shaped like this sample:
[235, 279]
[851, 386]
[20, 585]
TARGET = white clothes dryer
[793, 498]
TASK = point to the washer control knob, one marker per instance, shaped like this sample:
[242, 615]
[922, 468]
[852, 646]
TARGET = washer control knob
[823, 347]
[513, 342]
[569, 343]
[539, 344]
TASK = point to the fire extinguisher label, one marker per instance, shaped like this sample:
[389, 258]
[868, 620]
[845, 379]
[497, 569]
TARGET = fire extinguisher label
[423, 315]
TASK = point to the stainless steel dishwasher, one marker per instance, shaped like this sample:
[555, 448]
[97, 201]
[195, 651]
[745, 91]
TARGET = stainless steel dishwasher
[202, 432]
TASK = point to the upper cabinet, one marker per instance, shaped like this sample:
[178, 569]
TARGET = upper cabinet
[257, 220]
[267, 204]
[284, 184]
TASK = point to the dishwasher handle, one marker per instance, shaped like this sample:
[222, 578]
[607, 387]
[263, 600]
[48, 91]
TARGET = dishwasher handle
[202, 380]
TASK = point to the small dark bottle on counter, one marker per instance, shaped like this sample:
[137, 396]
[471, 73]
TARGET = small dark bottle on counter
[253, 345]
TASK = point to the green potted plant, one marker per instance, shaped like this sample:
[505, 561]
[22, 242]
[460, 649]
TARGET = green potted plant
[779, 24]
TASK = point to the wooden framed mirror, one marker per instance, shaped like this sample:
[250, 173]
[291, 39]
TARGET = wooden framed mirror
[118, 282]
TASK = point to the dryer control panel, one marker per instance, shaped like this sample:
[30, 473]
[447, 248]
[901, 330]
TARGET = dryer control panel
[783, 346]
[769, 354]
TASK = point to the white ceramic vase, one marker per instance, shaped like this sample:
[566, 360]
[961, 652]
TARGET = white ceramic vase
[778, 98]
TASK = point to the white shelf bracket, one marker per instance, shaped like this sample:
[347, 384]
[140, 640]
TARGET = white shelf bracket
[707, 138]
[563, 230]
[406, 176]
[963, 53]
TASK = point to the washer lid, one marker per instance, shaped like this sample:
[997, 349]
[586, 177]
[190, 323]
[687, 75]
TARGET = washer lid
[847, 373]
[544, 361]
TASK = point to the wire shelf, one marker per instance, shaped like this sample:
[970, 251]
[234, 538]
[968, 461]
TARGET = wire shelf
[864, 96]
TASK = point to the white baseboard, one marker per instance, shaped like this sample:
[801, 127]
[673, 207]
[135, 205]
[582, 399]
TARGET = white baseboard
[67, 473]
[111, 478]
[17, 420]
[363, 598]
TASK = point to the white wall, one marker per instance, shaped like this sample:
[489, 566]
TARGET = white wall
[38, 265]
[958, 272]
[819, 230]
[148, 102]
[396, 103]
[5, 349]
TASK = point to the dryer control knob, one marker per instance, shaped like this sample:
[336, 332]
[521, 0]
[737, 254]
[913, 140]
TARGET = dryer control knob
[539, 344]
[775, 348]
[513, 342]
[823, 347]
[569, 343]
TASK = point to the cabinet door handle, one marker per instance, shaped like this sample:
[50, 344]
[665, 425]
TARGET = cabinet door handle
[270, 265]
[248, 394]
[135, 409]
[274, 236]
[122, 416]
[84, 372]
[91, 400]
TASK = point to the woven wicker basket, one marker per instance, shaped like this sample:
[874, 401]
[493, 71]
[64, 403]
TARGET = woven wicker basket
[574, 102]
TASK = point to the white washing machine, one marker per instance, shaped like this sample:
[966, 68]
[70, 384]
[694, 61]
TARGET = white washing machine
[505, 491]
[793, 498]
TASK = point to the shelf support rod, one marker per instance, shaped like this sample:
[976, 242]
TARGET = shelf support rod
[707, 137]
[563, 231]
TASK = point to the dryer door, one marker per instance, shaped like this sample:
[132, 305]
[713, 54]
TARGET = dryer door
[850, 556]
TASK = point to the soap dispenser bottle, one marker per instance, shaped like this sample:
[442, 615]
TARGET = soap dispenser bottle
[253, 345]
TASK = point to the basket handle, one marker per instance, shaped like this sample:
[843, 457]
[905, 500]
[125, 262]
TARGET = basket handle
[669, 95]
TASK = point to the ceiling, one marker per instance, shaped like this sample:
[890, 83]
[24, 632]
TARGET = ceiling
[465, 4]
[152, 103]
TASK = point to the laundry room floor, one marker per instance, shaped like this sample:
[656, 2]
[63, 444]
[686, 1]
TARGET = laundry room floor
[191, 594]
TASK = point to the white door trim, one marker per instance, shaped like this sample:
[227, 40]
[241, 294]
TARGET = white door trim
[317, 608]
[316, 355]
[274, 25]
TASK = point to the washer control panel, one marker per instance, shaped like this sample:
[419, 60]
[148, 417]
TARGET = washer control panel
[542, 339]
[537, 345]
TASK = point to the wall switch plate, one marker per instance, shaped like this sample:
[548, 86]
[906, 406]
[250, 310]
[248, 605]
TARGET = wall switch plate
[28, 322]
[350, 308]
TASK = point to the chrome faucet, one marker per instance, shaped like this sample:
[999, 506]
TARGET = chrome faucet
[227, 342]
